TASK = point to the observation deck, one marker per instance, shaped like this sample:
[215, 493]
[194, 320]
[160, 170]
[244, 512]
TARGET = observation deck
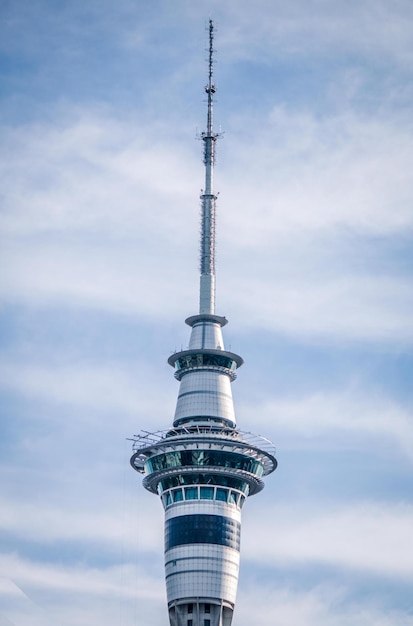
[203, 455]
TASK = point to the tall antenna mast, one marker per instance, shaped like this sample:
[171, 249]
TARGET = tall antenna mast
[208, 198]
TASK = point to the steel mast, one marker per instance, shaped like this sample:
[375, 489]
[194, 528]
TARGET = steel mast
[208, 198]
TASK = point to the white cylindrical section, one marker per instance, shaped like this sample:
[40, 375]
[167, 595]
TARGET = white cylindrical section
[206, 507]
[203, 570]
[207, 394]
[207, 294]
[206, 335]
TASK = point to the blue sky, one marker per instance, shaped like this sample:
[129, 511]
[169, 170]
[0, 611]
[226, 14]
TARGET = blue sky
[101, 103]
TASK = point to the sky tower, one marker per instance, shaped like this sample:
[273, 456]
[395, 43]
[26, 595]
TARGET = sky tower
[203, 467]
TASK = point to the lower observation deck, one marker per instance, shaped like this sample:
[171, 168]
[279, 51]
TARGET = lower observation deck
[209, 450]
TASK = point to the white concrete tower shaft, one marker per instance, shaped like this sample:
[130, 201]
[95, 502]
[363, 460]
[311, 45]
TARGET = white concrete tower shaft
[208, 197]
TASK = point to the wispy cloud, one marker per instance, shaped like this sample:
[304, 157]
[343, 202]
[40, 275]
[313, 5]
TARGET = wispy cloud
[326, 605]
[340, 309]
[85, 172]
[95, 528]
[86, 190]
[373, 31]
[81, 579]
[80, 593]
[309, 171]
[322, 415]
[369, 537]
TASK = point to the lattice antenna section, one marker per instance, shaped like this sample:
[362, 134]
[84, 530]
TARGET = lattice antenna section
[208, 197]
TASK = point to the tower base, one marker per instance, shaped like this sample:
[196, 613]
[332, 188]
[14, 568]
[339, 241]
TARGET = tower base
[200, 612]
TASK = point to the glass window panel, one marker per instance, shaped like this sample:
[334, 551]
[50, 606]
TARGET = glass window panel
[232, 497]
[222, 494]
[207, 493]
[191, 493]
[205, 479]
[177, 495]
[219, 458]
[197, 360]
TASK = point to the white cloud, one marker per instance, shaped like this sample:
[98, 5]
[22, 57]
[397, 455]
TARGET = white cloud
[114, 387]
[307, 301]
[365, 537]
[101, 529]
[16, 605]
[81, 578]
[324, 605]
[99, 218]
[322, 414]
[374, 31]
[86, 172]
[340, 309]
[315, 171]
[79, 594]
[114, 278]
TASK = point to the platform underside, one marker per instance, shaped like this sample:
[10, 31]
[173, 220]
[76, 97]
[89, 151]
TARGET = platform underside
[200, 612]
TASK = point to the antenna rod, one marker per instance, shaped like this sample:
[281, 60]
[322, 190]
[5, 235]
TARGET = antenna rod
[208, 198]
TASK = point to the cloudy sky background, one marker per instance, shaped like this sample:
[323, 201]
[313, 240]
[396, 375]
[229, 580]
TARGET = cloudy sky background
[101, 104]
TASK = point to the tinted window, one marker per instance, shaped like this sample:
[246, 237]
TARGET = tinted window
[191, 493]
[216, 529]
[222, 494]
[198, 360]
[207, 493]
[208, 458]
[204, 479]
[232, 497]
[177, 495]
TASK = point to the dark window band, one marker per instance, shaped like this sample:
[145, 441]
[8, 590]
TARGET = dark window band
[194, 359]
[210, 458]
[200, 558]
[204, 479]
[216, 529]
[201, 571]
[206, 391]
